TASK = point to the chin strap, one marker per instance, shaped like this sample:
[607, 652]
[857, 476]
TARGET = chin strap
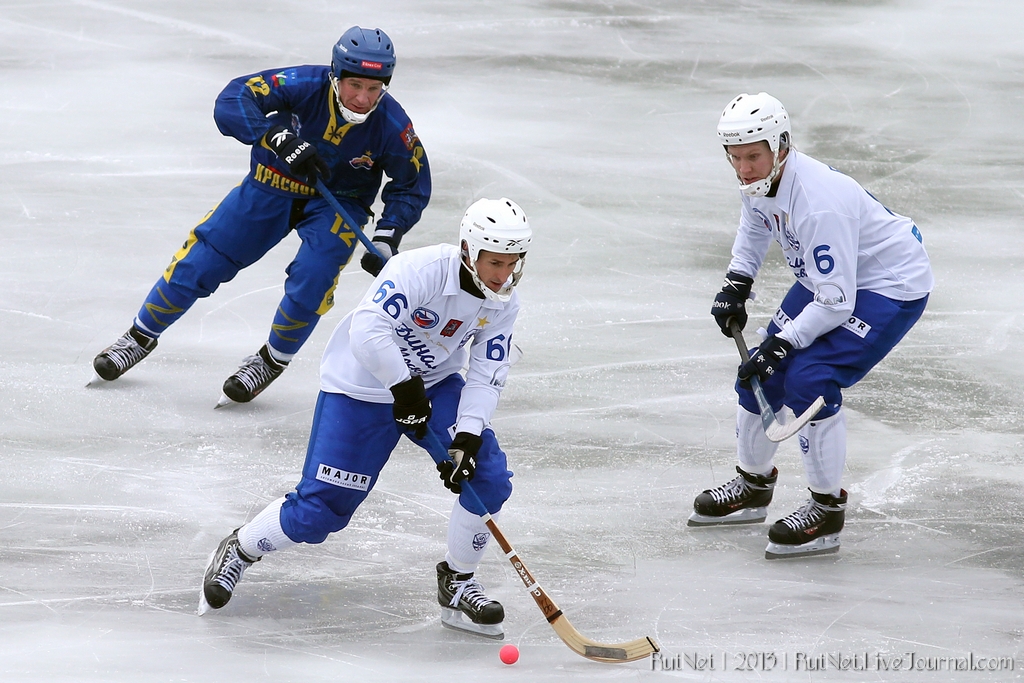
[761, 188]
[346, 113]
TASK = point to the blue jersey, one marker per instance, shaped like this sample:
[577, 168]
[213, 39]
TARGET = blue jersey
[302, 99]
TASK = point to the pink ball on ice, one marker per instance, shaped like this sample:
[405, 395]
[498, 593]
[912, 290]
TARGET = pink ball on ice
[509, 654]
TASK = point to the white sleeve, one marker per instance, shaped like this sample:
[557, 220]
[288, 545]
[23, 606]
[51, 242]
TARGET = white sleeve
[373, 345]
[751, 244]
[829, 241]
[485, 378]
[372, 334]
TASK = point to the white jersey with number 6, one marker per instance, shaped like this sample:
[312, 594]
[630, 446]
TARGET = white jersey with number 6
[417, 320]
[837, 239]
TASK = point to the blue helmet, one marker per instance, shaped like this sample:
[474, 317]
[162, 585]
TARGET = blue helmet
[364, 52]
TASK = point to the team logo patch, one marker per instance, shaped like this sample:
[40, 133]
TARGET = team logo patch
[376, 66]
[409, 137]
[425, 318]
[364, 162]
[480, 540]
[830, 295]
[857, 326]
[265, 545]
[451, 328]
[278, 79]
[346, 480]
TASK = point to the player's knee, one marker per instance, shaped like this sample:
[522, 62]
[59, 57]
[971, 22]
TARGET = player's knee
[310, 520]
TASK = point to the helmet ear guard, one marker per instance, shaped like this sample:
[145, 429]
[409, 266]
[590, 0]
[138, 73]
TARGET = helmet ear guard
[755, 118]
[499, 226]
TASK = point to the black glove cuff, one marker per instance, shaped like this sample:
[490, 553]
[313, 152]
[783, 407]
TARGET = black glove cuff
[467, 443]
[410, 391]
[738, 285]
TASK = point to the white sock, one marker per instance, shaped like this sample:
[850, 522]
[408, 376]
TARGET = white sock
[467, 539]
[283, 358]
[264, 533]
[755, 451]
[823, 446]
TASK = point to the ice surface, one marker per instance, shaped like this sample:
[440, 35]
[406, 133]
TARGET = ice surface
[598, 118]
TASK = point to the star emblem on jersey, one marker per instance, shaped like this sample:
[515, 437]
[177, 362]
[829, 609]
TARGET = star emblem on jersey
[480, 322]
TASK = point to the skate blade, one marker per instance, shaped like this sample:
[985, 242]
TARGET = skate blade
[204, 606]
[224, 401]
[820, 546]
[95, 381]
[743, 516]
[458, 621]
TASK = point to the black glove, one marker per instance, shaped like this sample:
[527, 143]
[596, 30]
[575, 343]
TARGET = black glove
[303, 161]
[765, 360]
[731, 301]
[412, 407]
[462, 465]
[371, 263]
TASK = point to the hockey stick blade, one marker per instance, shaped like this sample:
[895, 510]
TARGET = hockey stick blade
[773, 429]
[577, 642]
[781, 432]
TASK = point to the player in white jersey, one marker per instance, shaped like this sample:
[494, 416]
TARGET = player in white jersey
[862, 281]
[393, 367]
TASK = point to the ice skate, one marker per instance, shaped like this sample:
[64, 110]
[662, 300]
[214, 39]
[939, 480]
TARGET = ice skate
[252, 377]
[811, 530]
[744, 500]
[226, 565]
[122, 355]
[465, 607]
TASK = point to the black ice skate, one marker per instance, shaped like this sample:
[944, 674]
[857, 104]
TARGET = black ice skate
[227, 564]
[465, 607]
[122, 355]
[744, 500]
[811, 530]
[252, 377]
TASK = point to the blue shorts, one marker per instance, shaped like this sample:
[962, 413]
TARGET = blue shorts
[351, 442]
[837, 359]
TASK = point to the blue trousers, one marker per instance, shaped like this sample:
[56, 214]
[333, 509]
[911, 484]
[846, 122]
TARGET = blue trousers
[350, 443]
[837, 359]
[237, 233]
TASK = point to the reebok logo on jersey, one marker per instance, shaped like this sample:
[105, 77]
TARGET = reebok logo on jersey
[346, 480]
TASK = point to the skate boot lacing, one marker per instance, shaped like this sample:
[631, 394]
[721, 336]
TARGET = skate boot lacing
[729, 491]
[255, 372]
[811, 514]
[126, 352]
[231, 570]
[469, 590]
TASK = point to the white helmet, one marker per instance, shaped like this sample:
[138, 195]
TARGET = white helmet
[753, 118]
[499, 226]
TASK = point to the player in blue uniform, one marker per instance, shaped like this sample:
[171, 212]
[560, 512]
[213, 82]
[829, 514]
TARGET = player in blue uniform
[338, 123]
[862, 281]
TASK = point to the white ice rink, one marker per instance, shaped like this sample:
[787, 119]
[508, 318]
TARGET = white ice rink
[599, 119]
